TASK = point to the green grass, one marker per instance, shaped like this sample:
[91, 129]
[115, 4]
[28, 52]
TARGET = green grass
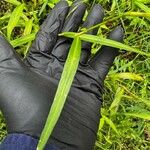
[125, 119]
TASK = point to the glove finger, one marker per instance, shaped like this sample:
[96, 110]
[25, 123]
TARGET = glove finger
[71, 24]
[104, 58]
[47, 36]
[95, 16]
[8, 56]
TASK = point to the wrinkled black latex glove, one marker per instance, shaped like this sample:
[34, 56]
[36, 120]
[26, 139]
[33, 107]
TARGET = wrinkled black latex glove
[27, 88]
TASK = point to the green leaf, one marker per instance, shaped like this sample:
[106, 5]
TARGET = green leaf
[138, 112]
[114, 106]
[137, 14]
[22, 40]
[112, 125]
[142, 6]
[14, 18]
[5, 17]
[14, 2]
[143, 1]
[28, 27]
[127, 75]
[64, 86]
[43, 7]
[102, 122]
[103, 41]
[145, 101]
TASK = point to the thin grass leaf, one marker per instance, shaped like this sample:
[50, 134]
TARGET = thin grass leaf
[24, 17]
[127, 75]
[145, 101]
[22, 40]
[5, 17]
[113, 5]
[28, 27]
[139, 115]
[142, 6]
[143, 1]
[14, 2]
[139, 112]
[54, 1]
[137, 14]
[14, 18]
[43, 7]
[66, 80]
[114, 106]
[102, 122]
[109, 122]
[103, 41]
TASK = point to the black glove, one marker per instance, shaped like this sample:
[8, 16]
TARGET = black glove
[27, 89]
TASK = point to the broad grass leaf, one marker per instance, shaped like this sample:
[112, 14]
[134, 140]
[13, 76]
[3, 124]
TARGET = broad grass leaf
[115, 104]
[14, 18]
[127, 75]
[14, 2]
[64, 86]
[109, 122]
[104, 41]
[22, 40]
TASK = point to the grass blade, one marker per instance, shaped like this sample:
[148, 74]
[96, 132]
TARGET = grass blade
[102, 122]
[66, 80]
[127, 75]
[14, 2]
[142, 6]
[14, 18]
[139, 115]
[28, 27]
[43, 7]
[115, 104]
[108, 121]
[104, 41]
[138, 112]
[22, 40]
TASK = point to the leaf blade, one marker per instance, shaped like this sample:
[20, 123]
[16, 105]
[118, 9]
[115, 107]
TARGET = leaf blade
[22, 40]
[103, 41]
[14, 18]
[66, 80]
[14, 2]
[109, 122]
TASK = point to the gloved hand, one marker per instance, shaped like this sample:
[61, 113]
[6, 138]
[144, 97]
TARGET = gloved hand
[27, 88]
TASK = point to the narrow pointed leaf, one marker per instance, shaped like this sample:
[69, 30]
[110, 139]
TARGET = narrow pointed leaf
[141, 115]
[112, 125]
[28, 27]
[102, 122]
[64, 86]
[127, 75]
[22, 40]
[14, 2]
[104, 41]
[114, 106]
[14, 18]
[142, 6]
[43, 7]
[138, 112]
